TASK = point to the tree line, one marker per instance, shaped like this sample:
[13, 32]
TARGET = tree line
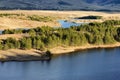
[45, 37]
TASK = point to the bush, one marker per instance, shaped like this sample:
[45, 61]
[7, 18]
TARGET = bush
[90, 17]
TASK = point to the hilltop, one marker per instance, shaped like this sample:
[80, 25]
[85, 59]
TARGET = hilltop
[100, 5]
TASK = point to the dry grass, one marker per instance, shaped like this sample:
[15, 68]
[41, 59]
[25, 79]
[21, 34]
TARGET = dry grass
[7, 23]
[16, 36]
[12, 23]
[62, 50]
[18, 54]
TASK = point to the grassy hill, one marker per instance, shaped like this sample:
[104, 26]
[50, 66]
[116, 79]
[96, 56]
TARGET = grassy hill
[61, 4]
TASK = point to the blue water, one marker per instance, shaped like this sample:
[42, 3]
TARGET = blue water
[94, 64]
[67, 24]
[1, 31]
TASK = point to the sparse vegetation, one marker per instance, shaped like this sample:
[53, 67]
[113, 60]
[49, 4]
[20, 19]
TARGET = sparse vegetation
[10, 15]
[45, 37]
[40, 18]
[90, 17]
[27, 17]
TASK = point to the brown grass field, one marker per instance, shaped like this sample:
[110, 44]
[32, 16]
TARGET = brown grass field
[16, 36]
[14, 22]
[20, 22]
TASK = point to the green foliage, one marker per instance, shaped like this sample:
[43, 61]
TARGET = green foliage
[28, 17]
[112, 22]
[10, 15]
[89, 37]
[90, 17]
[39, 18]
[26, 43]
[1, 45]
[48, 53]
[108, 38]
[117, 37]
[32, 32]
[14, 31]
[45, 37]
[9, 43]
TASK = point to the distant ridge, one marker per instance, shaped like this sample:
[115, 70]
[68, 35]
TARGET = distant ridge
[97, 5]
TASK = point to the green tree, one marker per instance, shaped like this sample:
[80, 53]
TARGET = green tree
[1, 45]
[28, 44]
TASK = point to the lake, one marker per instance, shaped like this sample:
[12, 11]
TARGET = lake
[67, 24]
[1, 32]
[94, 64]
[63, 23]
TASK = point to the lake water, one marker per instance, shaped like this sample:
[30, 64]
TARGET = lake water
[67, 24]
[94, 64]
[1, 31]
[64, 24]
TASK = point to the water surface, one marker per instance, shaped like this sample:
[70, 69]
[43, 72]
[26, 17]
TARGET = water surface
[95, 64]
[67, 24]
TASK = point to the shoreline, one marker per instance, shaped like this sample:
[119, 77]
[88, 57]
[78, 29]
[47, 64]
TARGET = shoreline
[64, 50]
[14, 23]
[23, 55]
[36, 55]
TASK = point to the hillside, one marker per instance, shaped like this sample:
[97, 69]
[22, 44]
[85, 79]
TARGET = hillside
[13, 19]
[61, 4]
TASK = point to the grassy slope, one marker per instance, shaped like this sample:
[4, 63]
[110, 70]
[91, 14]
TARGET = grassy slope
[61, 4]
[22, 22]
